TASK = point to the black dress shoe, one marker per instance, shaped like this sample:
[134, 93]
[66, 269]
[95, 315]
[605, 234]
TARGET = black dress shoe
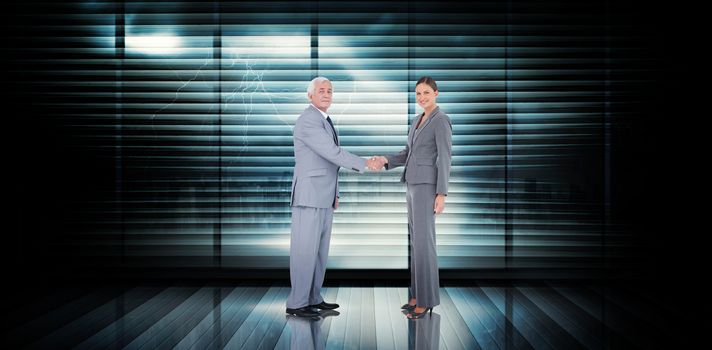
[325, 306]
[303, 312]
[327, 313]
[416, 315]
[407, 307]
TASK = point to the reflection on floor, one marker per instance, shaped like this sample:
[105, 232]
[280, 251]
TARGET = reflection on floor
[251, 316]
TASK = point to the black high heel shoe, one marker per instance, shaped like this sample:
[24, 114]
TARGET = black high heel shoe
[415, 315]
[408, 307]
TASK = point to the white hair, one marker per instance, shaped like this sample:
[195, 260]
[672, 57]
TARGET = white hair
[312, 84]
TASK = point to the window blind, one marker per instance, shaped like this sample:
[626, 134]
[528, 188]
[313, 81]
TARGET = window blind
[188, 108]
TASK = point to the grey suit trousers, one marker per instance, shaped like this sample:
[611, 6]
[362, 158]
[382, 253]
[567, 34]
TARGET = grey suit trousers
[424, 276]
[308, 252]
[427, 333]
[306, 333]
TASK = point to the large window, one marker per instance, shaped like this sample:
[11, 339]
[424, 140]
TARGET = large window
[193, 104]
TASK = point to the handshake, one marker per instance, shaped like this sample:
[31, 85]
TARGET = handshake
[376, 163]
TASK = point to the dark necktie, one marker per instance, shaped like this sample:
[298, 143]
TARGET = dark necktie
[336, 141]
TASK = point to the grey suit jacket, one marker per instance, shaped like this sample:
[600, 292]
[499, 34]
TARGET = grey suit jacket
[428, 153]
[317, 159]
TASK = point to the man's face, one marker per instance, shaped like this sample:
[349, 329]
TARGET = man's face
[322, 95]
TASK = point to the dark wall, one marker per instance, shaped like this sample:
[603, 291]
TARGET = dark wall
[56, 179]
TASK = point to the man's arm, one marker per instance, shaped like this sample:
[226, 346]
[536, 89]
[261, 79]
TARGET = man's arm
[312, 133]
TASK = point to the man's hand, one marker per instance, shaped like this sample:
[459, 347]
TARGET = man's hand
[376, 163]
[439, 204]
[336, 203]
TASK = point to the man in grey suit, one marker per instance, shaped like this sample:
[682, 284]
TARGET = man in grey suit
[315, 196]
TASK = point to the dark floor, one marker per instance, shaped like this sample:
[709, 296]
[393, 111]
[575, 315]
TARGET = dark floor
[520, 315]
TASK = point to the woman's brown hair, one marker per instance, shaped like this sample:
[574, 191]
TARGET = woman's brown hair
[427, 80]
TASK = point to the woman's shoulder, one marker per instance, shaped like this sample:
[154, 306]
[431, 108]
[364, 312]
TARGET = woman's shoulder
[443, 118]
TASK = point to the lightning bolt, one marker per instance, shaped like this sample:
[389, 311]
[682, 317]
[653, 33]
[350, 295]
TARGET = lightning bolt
[251, 83]
[175, 98]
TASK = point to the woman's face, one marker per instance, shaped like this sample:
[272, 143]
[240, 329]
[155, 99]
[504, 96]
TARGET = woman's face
[425, 96]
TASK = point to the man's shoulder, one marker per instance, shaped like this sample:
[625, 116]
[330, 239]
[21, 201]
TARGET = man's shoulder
[310, 114]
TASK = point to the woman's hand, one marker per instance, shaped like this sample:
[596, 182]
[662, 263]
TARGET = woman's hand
[439, 203]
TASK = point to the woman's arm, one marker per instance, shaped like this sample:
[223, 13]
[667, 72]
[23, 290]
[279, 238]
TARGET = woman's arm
[443, 142]
[395, 160]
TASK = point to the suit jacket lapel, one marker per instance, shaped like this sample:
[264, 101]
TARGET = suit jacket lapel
[411, 132]
[326, 125]
[430, 118]
[331, 131]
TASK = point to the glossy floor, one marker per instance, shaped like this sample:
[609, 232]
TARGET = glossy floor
[252, 316]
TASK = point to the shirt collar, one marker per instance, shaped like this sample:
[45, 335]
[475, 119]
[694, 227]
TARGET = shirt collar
[435, 110]
[320, 111]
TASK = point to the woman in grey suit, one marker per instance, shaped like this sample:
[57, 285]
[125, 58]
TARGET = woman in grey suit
[426, 158]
